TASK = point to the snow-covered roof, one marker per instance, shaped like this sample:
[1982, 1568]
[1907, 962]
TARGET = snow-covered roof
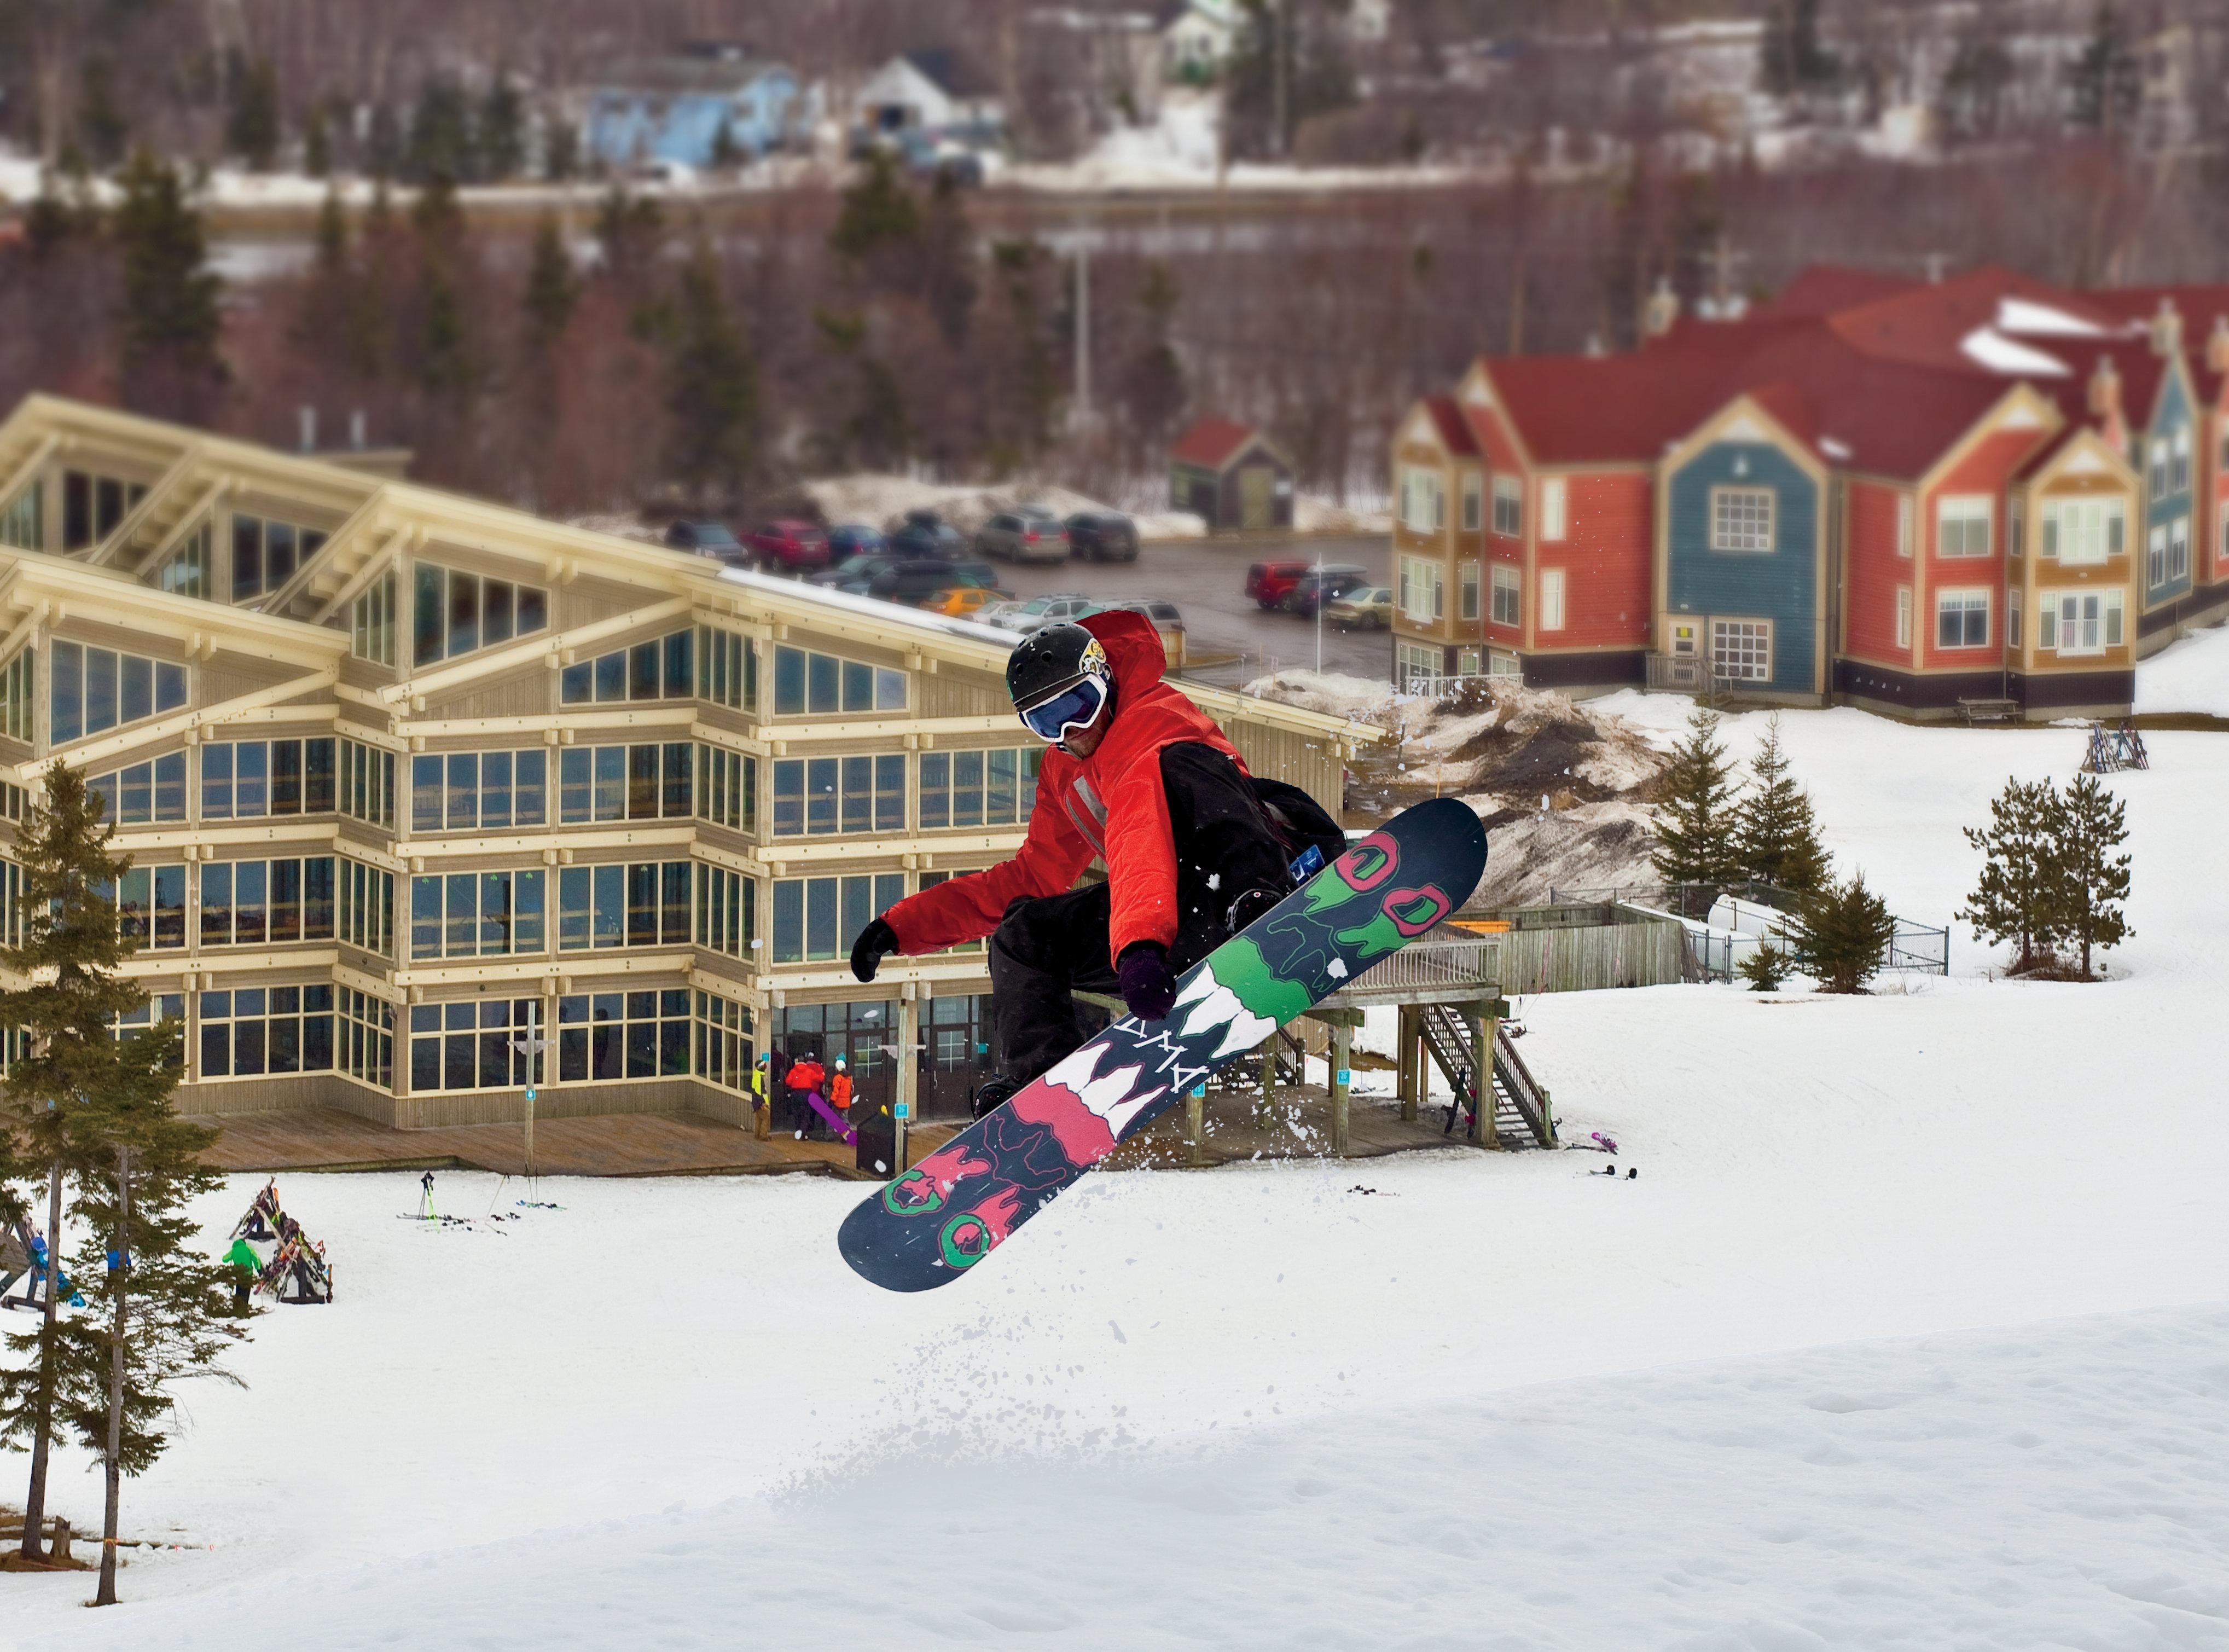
[1991, 349]
[882, 613]
[2043, 320]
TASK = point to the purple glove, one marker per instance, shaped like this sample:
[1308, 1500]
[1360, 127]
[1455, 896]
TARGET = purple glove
[1147, 986]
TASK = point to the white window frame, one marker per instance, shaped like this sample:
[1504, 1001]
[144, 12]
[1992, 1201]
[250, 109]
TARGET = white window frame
[1551, 599]
[1904, 616]
[1472, 508]
[1555, 507]
[2016, 526]
[1423, 500]
[2156, 474]
[2155, 559]
[1467, 663]
[2095, 619]
[1420, 584]
[1508, 506]
[2080, 533]
[1500, 662]
[1509, 592]
[1684, 639]
[1959, 512]
[2178, 479]
[1741, 535]
[2178, 549]
[1468, 611]
[1906, 512]
[2013, 609]
[1415, 660]
[1756, 670]
[1963, 600]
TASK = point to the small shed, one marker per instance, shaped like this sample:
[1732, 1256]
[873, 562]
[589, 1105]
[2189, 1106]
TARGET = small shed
[1232, 476]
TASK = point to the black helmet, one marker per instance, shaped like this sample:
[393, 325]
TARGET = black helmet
[1053, 657]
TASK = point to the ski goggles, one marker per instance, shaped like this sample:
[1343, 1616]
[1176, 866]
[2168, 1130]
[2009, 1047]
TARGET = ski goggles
[1077, 706]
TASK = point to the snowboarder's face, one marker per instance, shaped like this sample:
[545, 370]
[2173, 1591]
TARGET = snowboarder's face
[1081, 743]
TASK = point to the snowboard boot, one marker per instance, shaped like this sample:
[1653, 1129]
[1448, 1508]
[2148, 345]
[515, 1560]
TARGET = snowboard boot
[992, 1094]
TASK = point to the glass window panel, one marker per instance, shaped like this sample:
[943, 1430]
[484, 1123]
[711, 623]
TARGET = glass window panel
[285, 1046]
[858, 904]
[679, 652]
[424, 794]
[495, 914]
[216, 905]
[532, 605]
[573, 908]
[495, 790]
[611, 782]
[246, 557]
[496, 615]
[820, 923]
[316, 1043]
[789, 796]
[463, 613]
[576, 684]
[427, 597]
[464, 784]
[277, 554]
[574, 791]
[967, 788]
[425, 917]
[247, 1047]
[823, 694]
[65, 694]
[642, 671]
[251, 780]
[170, 687]
[674, 769]
[317, 776]
[889, 690]
[642, 782]
[459, 1060]
[99, 689]
[170, 906]
[284, 901]
[642, 905]
[889, 793]
[136, 688]
[286, 777]
[935, 789]
[673, 901]
[611, 676]
[788, 681]
[789, 920]
[250, 892]
[858, 793]
[171, 786]
[528, 787]
[463, 910]
[526, 910]
[821, 775]
[858, 686]
[998, 802]
[216, 783]
[610, 906]
[318, 898]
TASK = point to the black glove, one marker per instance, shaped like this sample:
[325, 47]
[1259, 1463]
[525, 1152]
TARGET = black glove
[867, 951]
[1147, 986]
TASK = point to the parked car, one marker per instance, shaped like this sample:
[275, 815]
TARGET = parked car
[1268, 583]
[1102, 537]
[856, 570]
[1368, 608]
[1165, 616]
[854, 539]
[915, 580]
[1025, 617]
[789, 546]
[1031, 534]
[965, 602]
[1319, 585]
[706, 539]
[996, 614]
[924, 533]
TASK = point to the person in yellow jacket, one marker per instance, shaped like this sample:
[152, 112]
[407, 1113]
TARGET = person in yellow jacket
[761, 1113]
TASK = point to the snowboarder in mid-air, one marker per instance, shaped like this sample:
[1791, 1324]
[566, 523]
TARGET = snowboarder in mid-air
[1138, 777]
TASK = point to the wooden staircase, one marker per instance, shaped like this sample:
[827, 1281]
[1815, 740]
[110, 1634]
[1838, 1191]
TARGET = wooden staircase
[1522, 1116]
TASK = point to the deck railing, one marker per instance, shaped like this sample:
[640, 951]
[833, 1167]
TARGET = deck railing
[1454, 961]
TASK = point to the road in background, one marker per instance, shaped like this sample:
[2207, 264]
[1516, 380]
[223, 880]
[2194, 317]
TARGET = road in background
[1206, 579]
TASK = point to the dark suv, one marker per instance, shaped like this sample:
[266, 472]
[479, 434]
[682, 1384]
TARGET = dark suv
[924, 533]
[706, 539]
[1102, 537]
[915, 581]
[1319, 585]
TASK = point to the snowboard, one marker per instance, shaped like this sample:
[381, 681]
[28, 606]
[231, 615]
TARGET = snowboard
[945, 1214]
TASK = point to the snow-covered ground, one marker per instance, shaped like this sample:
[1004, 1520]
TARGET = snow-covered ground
[1911, 1332]
[2192, 675]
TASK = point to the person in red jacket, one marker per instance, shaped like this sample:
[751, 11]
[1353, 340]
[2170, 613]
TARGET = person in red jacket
[1136, 776]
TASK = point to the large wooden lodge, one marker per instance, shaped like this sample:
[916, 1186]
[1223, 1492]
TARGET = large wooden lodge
[1918, 498]
[407, 775]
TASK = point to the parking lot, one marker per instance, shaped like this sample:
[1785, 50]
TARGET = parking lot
[1206, 580]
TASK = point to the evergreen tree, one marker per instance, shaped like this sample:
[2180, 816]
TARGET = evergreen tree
[560, 151]
[442, 143]
[712, 393]
[1766, 968]
[873, 428]
[946, 261]
[2088, 824]
[2106, 80]
[1842, 935]
[158, 1309]
[1152, 387]
[1309, 37]
[1696, 825]
[318, 143]
[1028, 388]
[502, 133]
[1793, 59]
[170, 319]
[726, 154]
[251, 126]
[2017, 898]
[101, 127]
[70, 955]
[628, 229]
[878, 212]
[551, 289]
[1775, 834]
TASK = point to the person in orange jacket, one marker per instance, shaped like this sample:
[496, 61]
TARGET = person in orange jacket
[1134, 774]
[839, 1087]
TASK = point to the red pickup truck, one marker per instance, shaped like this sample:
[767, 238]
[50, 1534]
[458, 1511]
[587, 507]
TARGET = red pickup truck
[1270, 583]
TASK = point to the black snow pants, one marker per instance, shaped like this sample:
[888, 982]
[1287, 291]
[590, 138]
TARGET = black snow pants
[1048, 947]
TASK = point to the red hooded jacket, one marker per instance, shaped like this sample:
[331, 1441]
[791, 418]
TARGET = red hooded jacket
[1109, 807]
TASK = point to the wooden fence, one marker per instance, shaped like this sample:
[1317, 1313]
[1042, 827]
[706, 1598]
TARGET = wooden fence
[1580, 948]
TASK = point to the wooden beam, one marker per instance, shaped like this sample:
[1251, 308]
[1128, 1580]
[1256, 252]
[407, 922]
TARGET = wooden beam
[104, 553]
[81, 753]
[184, 525]
[362, 519]
[522, 653]
[28, 469]
[381, 558]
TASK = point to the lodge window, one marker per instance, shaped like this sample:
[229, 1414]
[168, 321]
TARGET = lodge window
[23, 524]
[1508, 506]
[367, 783]
[259, 903]
[364, 1029]
[2178, 549]
[94, 506]
[98, 689]
[2016, 527]
[2012, 607]
[622, 1035]
[1508, 595]
[255, 1030]
[2085, 530]
[1424, 500]
[1906, 513]
[156, 1008]
[724, 1041]
[2079, 622]
[726, 788]
[2159, 467]
[661, 669]
[1962, 525]
[477, 1044]
[1554, 507]
[807, 683]
[814, 918]
[15, 691]
[1423, 589]
[818, 796]
[477, 914]
[1742, 650]
[151, 906]
[366, 908]
[1741, 518]
[978, 788]
[645, 904]
[144, 794]
[1551, 599]
[2156, 562]
[1472, 512]
[1962, 620]
[454, 613]
[371, 622]
[727, 669]
[480, 791]
[1469, 588]
[1904, 616]
[639, 782]
[726, 911]
[1416, 664]
[247, 779]
[2178, 479]
[187, 571]
[265, 554]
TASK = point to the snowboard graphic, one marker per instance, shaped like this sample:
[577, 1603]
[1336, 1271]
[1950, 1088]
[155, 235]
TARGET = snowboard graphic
[955, 1206]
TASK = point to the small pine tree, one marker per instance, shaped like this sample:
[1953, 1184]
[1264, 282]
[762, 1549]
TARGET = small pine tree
[1696, 827]
[2016, 899]
[70, 955]
[251, 128]
[2106, 79]
[100, 123]
[712, 393]
[1775, 833]
[502, 132]
[551, 289]
[727, 154]
[2088, 824]
[318, 143]
[1842, 935]
[171, 324]
[560, 151]
[1766, 968]
[878, 211]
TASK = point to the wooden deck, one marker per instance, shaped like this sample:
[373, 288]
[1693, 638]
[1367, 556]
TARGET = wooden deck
[1296, 1125]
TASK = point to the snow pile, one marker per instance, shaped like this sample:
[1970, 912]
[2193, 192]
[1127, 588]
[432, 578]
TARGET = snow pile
[2192, 675]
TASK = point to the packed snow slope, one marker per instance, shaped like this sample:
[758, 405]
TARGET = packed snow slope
[1912, 1332]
